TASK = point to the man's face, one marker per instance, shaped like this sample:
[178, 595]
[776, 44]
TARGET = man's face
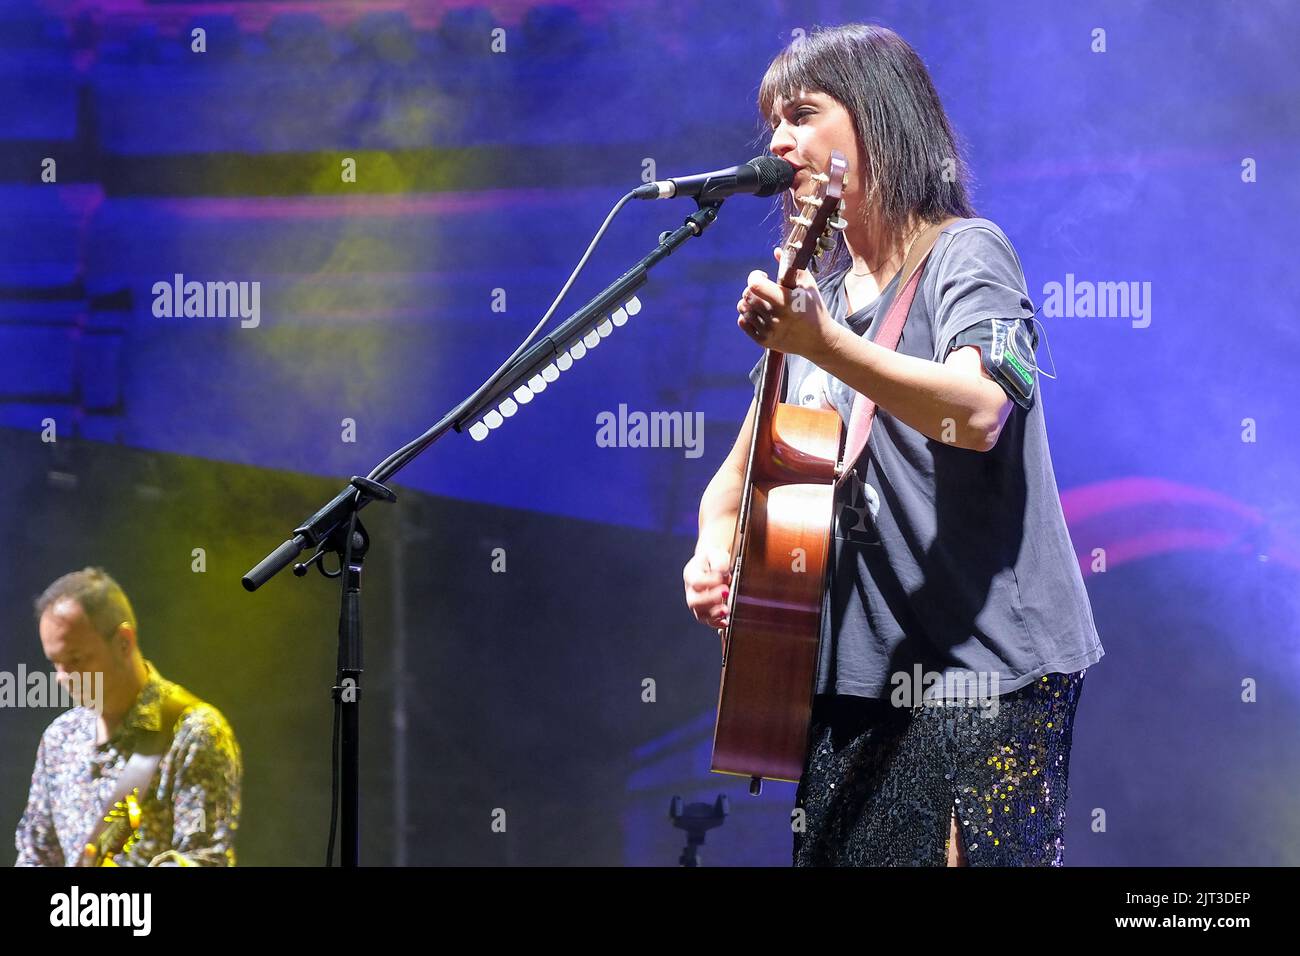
[805, 129]
[72, 645]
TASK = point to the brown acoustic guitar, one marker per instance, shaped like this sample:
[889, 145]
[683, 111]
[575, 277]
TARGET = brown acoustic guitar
[781, 546]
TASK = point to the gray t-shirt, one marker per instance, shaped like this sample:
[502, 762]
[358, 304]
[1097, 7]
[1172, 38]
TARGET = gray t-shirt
[954, 560]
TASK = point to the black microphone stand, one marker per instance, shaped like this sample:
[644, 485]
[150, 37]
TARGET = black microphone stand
[337, 529]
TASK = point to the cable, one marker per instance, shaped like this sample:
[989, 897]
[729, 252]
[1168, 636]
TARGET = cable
[399, 458]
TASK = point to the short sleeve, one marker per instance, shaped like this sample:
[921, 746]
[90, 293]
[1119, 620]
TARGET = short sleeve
[979, 277]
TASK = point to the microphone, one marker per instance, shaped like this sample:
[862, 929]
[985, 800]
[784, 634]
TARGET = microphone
[761, 176]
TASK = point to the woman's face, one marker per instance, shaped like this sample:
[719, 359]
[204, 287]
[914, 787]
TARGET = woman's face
[804, 131]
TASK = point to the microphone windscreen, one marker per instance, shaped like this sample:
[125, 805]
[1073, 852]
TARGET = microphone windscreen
[773, 174]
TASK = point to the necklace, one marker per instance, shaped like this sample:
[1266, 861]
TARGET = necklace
[906, 251]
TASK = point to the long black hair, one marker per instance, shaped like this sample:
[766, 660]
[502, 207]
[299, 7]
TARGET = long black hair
[915, 163]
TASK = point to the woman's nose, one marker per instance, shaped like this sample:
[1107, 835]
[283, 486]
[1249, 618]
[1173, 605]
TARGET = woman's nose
[782, 141]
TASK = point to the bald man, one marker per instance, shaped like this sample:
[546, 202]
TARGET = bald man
[145, 735]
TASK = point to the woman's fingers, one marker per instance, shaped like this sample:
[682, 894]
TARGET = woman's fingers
[713, 607]
[718, 615]
[762, 289]
[708, 584]
[705, 576]
[753, 306]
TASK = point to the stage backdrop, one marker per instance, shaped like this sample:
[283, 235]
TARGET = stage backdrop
[399, 190]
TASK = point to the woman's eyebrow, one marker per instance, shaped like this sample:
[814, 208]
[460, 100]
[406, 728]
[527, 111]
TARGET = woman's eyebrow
[786, 107]
[803, 99]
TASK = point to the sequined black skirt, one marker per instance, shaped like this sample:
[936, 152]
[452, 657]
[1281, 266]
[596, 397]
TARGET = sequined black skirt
[881, 782]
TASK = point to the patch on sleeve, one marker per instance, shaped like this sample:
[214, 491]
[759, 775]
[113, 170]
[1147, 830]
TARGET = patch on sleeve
[1007, 350]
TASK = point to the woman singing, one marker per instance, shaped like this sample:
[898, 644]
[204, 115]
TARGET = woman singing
[951, 565]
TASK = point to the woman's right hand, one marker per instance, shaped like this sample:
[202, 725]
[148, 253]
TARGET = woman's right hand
[707, 577]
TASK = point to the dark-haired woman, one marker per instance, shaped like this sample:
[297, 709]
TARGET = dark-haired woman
[955, 626]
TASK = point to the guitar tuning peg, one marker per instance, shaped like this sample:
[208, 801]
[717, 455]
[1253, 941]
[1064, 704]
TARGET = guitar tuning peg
[838, 223]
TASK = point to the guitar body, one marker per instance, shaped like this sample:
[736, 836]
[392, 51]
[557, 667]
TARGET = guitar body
[120, 830]
[774, 624]
[780, 553]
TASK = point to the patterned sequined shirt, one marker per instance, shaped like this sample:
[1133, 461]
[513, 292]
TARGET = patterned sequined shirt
[191, 809]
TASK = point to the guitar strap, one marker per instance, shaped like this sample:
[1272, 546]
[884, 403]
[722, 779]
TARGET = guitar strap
[140, 768]
[864, 409]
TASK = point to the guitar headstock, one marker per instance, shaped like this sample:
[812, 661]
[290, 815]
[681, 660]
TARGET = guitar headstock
[813, 228]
